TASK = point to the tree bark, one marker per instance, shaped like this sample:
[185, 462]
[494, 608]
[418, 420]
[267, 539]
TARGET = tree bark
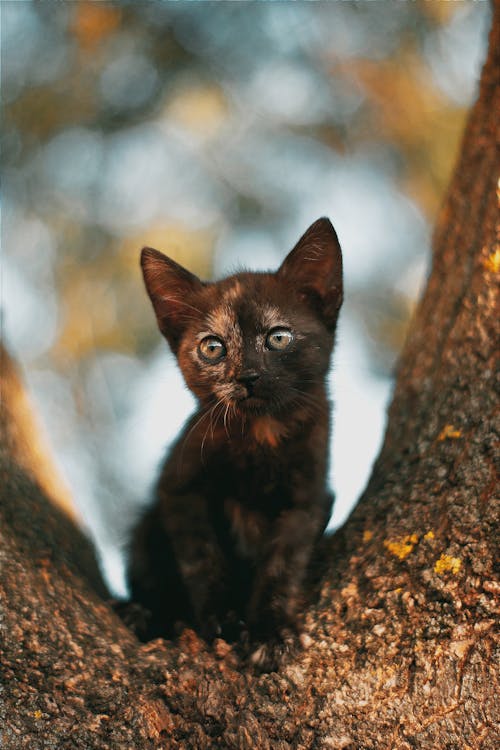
[399, 647]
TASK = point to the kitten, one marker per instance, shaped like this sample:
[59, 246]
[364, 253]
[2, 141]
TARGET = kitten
[242, 497]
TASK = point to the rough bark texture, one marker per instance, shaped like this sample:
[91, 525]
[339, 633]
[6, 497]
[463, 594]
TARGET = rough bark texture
[401, 640]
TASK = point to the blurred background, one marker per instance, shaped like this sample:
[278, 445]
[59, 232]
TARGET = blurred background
[216, 132]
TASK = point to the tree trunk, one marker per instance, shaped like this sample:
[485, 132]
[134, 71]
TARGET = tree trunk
[398, 648]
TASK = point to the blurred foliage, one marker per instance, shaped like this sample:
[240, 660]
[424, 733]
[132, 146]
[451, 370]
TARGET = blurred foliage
[361, 74]
[202, 128]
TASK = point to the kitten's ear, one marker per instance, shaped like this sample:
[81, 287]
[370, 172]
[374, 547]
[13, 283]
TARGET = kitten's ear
[314, 269]
[170, 287]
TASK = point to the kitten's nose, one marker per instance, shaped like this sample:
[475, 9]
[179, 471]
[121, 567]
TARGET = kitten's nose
[248, 377]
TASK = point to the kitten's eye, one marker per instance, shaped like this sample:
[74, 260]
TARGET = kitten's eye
[212, 349]
[279, 339]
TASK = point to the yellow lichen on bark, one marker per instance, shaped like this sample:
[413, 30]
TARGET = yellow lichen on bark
[449, 431]
[401, 548]
[492, 262]
[447, 564]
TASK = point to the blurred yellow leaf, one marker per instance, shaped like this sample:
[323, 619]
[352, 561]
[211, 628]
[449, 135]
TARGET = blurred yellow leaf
[89, 315]
[199, 109]
[192, 249]
[94, 21]
[408, 110]
[439, 12]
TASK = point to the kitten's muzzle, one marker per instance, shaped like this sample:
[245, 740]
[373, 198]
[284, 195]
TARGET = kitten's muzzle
[248, 377]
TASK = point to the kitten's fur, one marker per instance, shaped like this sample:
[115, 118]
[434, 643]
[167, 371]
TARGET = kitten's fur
[242, 497]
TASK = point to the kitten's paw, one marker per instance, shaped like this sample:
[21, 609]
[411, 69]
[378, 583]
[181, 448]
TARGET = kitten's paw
[264, 658]
[211, 629]
[134, 615]
[233, 629]
[268, 657]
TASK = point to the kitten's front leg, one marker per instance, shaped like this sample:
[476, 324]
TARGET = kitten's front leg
[278, 583]
[199, 558]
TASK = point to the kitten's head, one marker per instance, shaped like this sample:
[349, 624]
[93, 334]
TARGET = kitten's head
[260, 342]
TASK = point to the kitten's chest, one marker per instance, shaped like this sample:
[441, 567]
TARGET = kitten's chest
[247, 499]
[247, 528]
[263, 470]
[251, 515]
[256, 481]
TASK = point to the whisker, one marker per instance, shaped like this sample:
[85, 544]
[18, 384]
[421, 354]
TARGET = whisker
[216, 416]
[206, 412]
[310, 400]
[205, 435]
[228, 405]
[210, 427]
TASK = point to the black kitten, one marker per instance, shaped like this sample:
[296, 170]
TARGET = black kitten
[242, 496]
